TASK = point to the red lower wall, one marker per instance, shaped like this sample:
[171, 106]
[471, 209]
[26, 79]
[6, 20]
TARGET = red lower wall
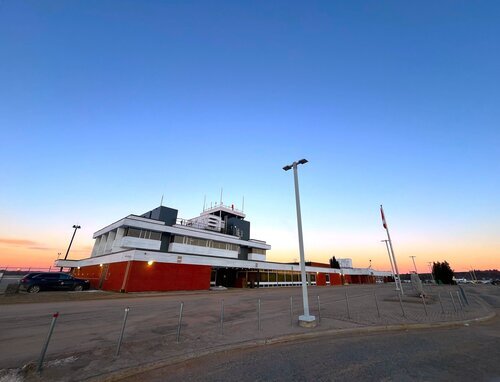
[143, 277]
[114, 276]
[91, 273]
[321, 279]
[167, 277]
[335, 279]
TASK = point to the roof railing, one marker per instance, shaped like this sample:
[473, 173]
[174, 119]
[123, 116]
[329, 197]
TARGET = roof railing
[206, 226]
[217, 206]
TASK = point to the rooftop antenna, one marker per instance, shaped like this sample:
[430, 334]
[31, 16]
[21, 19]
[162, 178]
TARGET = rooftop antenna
[161, 201]
[204, 202]
[243, 204]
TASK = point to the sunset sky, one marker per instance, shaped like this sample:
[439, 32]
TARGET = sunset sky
[105, 106]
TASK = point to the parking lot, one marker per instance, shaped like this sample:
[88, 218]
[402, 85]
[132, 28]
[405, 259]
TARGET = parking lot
[88, 329]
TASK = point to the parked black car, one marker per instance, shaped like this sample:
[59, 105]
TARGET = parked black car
[37, 281]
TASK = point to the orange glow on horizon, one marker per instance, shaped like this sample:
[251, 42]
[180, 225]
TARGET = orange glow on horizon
[18, 253]
[21, 253]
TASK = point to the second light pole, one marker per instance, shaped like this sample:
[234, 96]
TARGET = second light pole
[71, 242]
[306, 320]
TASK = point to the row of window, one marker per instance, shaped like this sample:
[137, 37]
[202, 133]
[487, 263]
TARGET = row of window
[284, 277]
[142, 233]
[258, 251]
[270, 276]
[153, 235]
[205, 243]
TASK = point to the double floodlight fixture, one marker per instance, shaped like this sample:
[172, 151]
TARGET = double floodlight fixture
[76, 226]
[290, 166]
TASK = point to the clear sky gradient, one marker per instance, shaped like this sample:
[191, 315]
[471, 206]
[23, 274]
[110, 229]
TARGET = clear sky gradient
[107, 105]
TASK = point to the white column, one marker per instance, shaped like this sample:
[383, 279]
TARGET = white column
[109, 241]
[117, 243]
[96, 246]
[102, 244]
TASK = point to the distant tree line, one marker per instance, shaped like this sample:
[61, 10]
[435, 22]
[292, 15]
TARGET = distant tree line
[486, 274]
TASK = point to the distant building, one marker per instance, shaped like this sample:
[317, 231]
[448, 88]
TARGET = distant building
[158, 251]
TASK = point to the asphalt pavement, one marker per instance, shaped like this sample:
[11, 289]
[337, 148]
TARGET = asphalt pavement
[468, 353]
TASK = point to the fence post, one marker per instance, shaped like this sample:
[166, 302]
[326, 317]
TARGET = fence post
[453, 301]
[347, 305]
[180, 322]
[425, 306]
[376, 303]
[401, 304]
[291, 310]
[46, 344]
[464, 295]
[222, 317]
[462, 305]
[441, 302]
[258, 314]
[319, 310]
[120, 339]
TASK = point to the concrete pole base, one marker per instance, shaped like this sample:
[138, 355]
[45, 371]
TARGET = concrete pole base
[307, 321]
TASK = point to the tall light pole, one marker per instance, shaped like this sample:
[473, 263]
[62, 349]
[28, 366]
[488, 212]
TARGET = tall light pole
[71, 242]
[306, 320]
[390, 259]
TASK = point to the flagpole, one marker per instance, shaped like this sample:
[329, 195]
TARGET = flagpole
[392, 265]
[392, 250]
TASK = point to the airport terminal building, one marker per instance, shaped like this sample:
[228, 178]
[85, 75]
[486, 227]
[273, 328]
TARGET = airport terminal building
[157, 251]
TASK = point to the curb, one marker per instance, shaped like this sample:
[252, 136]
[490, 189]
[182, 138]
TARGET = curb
[125, 373]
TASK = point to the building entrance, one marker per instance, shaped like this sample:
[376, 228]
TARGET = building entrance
[225, 277]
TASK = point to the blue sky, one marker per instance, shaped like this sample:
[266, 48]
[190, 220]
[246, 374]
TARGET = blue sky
[107, 105]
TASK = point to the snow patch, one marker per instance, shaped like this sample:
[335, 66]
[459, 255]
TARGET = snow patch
[61, 361]
[11, 375]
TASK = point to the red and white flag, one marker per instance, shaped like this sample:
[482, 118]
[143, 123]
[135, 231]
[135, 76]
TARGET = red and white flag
[384, 223]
